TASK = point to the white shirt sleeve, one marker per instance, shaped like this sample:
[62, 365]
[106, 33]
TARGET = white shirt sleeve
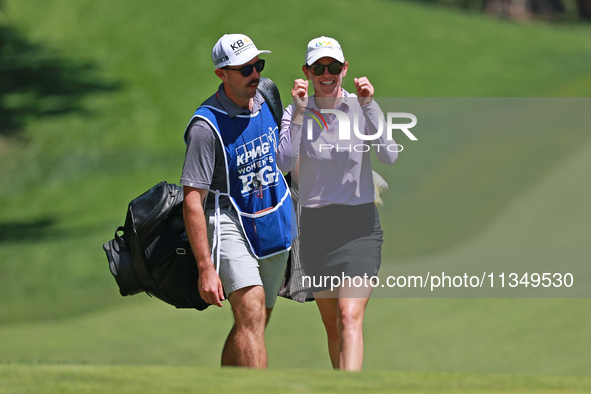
[373, 116]
[289, 142]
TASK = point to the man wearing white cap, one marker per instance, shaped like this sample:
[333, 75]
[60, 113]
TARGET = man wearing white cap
[237, 200]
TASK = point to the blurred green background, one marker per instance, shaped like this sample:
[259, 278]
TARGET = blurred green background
[95, 97]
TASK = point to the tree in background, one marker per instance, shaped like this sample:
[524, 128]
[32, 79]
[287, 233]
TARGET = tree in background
[524, 9]
[521, 10]
[36, 82]
[584, 7]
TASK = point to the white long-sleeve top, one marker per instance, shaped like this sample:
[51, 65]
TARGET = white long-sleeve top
[333, 171]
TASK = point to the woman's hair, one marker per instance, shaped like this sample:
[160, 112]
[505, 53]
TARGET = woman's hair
[380, 186]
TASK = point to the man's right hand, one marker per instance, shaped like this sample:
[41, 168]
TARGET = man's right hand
[210, 286]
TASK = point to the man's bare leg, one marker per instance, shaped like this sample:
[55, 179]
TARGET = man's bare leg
[245, 345]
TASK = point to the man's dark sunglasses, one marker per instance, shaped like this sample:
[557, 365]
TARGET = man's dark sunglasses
[333, 68]
[259, 65]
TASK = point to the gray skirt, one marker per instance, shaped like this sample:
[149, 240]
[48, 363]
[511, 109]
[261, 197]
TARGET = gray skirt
[338, 240]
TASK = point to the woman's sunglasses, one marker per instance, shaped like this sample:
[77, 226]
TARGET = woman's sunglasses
[333, 68]
[247, 70]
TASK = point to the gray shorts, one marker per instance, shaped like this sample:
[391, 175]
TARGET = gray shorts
[239, 268]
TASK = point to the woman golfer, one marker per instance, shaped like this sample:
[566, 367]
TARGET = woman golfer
[325, 141]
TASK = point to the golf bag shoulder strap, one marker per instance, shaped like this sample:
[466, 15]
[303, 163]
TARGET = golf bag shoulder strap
[271, 94]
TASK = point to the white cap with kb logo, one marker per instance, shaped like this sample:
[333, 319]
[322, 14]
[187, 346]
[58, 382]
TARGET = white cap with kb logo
[234, 50]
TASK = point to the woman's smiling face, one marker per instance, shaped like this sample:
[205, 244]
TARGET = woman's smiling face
[326, 84]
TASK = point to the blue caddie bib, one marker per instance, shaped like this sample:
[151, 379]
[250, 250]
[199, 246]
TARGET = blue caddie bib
[256, 187]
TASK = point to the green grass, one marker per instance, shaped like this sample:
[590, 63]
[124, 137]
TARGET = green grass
[19, 378]
[473, 157]
[511, 192]
[524, 336]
